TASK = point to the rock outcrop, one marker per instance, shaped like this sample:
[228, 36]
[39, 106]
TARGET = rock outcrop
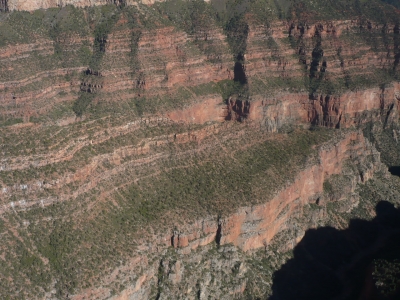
[254, 227]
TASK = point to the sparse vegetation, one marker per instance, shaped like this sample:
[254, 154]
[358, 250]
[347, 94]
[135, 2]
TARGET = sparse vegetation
[80, 196]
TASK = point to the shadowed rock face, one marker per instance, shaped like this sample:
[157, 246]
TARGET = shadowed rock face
[3, 5]
[395, 170]
[239, 70]
[338, 264]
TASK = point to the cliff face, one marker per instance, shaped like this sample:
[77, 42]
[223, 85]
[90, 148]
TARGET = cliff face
[31, 5]
[251, 228]
[44, 4]
[147, 63]
[254, 227]
[342, 111]
[135, 62]
[181, 135]
[338, 60]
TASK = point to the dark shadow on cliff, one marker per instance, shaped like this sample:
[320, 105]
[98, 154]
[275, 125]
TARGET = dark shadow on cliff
[395, 171]
[239, 70]
[338, 264]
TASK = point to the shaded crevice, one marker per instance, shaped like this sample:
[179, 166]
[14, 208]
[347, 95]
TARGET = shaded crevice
[338, 123]
[320, 116]
[396, 61]
[92, 81]
[324, 66]
[218, 235]
[160, 279]
[121, 3]
[3, 5]
[390, 109]
[240, 70]
[238, 110]
[135, 64]
[137, 74]
[316, 75]
[239, 73]
[396, 40]
[395, 170]
[237, 32]
[92, 72]
[317, 55]
[297, 43]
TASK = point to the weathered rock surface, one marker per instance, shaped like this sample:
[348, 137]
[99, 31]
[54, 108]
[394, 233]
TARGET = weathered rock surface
[169, 63]
[254, 227]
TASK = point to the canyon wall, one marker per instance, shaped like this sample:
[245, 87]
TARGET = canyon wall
[253, 227]
[159, 140]
[32, 5]
[149, 63]
[350, 109]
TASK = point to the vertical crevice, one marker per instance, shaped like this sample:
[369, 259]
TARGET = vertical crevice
[160, 279]
[120, 3]
[237, 31]
[338, 123]
[3, 5]
[218, 236]
[390, 109]
[315, 75]
[92, 81]
[396, 48]
[239, 70]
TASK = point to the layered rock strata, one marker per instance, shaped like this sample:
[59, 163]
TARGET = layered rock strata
[167, 61]
[44, 4]
[254, 227]
[159, 96]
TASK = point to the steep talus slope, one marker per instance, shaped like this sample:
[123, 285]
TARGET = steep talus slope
[183, 149]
